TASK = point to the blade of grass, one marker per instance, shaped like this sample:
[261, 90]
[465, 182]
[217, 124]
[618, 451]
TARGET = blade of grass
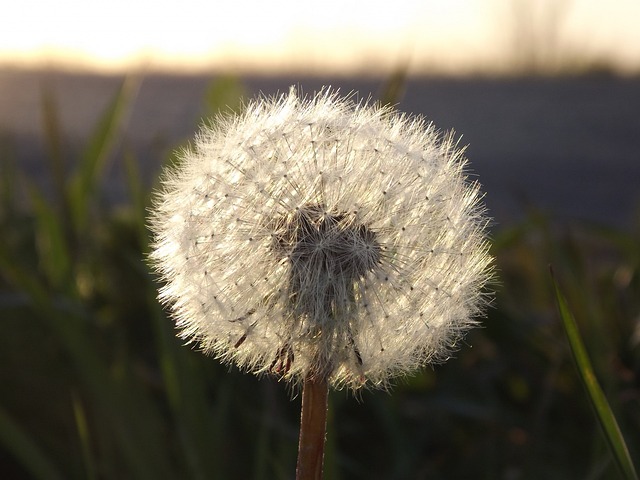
[186, 394]
[138, 198]
[83, 433]
[392, 90]
[53, 136]
[8, 177]
[224, 95]
[85, 180]
[20, 444]
[599, 402]
[54, 252]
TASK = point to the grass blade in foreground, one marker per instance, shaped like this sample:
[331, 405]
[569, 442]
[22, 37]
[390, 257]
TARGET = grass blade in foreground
[25, 450]
[596, 396]
[89, 171]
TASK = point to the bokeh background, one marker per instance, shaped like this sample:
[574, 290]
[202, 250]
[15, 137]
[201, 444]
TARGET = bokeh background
[96, 96]
[339, 37]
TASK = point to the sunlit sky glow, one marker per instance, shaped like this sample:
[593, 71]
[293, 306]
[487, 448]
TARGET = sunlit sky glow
[331, 35]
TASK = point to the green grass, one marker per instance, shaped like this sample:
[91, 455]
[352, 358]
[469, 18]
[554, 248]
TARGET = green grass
[96, 385]
[601, 407]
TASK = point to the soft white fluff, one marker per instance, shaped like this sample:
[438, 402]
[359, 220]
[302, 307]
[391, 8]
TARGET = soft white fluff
[258, 235]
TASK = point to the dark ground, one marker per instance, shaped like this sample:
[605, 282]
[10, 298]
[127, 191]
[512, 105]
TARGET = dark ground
[567, 146]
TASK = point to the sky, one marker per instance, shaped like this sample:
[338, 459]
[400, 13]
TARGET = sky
[337, 36]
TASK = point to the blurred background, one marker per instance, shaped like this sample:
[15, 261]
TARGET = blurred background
[335, 37]
[96, 96]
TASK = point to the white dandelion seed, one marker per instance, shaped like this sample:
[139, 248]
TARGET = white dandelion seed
[319, 236]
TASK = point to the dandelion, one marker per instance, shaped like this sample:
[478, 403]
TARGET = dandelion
[322, 240]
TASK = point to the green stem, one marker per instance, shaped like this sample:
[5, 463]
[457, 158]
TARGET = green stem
[313, 423]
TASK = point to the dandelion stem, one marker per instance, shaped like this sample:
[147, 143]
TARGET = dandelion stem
[313, 422]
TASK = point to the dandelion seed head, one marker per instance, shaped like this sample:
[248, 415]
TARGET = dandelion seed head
[322, 236]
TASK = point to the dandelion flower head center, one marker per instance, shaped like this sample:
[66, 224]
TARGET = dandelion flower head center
[328, 253]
